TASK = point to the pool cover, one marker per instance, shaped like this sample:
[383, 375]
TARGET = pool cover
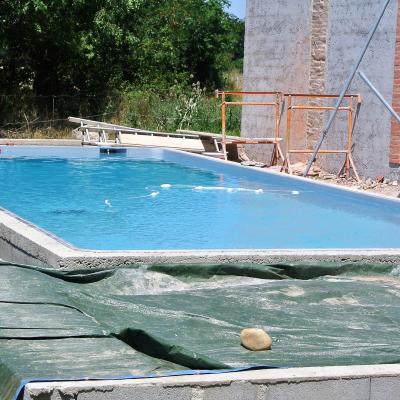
[174, 319]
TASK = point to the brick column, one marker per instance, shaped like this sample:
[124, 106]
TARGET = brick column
[394, 155]
[319, 28]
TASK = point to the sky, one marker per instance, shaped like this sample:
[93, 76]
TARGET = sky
[238, 8]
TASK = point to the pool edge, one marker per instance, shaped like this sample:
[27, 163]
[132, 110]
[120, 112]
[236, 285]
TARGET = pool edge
[365, 382]
[23, 242]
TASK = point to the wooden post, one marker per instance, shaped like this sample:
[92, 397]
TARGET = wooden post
[349, 141]
[288, 127]
[223, 120]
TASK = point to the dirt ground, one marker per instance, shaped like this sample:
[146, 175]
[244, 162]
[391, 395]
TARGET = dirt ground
[386, 187]
[380, 185]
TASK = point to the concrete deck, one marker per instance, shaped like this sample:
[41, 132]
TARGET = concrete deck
[41, 142]
[381, 382]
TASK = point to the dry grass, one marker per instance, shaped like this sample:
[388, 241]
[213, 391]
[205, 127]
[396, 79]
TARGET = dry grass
[38, 133]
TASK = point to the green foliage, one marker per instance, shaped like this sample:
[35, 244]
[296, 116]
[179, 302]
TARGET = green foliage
[178, 109]
[86, 51]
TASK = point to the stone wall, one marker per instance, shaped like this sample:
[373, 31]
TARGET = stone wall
[319, 27]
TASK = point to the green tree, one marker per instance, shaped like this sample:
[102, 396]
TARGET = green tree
[87, 49]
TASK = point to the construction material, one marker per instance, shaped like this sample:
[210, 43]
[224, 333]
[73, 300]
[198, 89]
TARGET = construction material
[379, 96]
[275, 140]
[156, 140]
[345, 88]
[349, 108]
[98, 133]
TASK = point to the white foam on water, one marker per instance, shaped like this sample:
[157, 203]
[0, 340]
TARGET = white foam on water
[209, 188]
[258, 191]
[228, 189]
[154, 194]
[200, 188]
[108, 203]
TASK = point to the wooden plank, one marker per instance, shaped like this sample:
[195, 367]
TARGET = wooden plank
[205, 134]
[162, 141]
[255, 141]
[320, 151]
[138, 132]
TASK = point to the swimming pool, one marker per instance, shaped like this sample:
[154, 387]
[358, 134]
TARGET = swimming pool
[153, 199]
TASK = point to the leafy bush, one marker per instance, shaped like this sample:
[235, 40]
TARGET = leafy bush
[190, 109]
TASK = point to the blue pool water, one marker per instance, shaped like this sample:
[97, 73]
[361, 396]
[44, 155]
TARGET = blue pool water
[121, 202]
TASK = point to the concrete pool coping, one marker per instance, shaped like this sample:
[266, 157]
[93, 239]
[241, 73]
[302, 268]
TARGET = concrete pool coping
[365, 382]
[41, 142]
[24, 242]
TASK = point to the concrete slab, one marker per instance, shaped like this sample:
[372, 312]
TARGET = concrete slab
[25, 243]
[384, 388]
[41, 142]
[328, 383]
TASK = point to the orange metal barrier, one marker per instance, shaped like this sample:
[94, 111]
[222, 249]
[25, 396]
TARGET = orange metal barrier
[276, 102]
[349, 108]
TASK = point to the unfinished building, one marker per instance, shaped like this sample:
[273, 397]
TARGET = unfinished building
[309, 46]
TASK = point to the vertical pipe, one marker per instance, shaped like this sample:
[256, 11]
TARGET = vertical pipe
[349, 138]
[53, 110]
[277, 122]
[223, 120]
[288, 126]
[380, 97]
[345, 88]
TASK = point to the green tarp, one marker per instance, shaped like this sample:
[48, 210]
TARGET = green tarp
[160, 319]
